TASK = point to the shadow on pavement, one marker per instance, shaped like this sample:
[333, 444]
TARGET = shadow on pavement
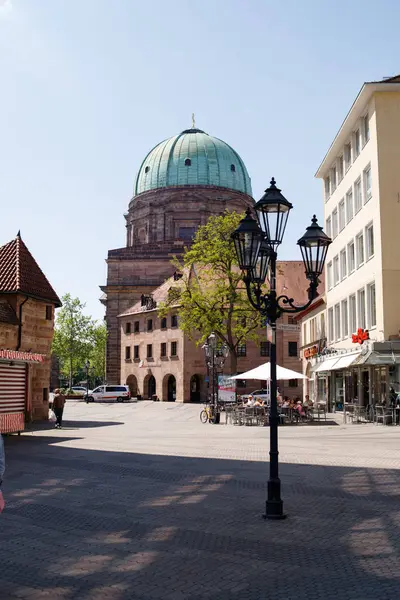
[115, 525]
[68, 424]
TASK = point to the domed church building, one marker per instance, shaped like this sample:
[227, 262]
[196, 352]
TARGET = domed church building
[181, 182]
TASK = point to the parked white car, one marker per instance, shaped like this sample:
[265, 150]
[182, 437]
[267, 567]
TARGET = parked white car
[109, 393]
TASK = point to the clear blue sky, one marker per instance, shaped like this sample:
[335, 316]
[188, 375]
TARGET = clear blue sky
[89, 86]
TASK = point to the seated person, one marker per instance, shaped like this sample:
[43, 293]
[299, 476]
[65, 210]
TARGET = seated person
[308, 402]
[250, 401]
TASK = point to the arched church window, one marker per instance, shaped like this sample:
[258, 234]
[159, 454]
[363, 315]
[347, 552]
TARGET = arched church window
[188, 162]
[147, 169]
[233, 168]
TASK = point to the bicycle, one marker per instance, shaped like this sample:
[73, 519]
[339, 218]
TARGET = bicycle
[206, 415]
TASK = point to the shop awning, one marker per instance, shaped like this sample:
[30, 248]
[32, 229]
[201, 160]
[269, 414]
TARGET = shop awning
[326, 365]
[345, 361]
[376, 358]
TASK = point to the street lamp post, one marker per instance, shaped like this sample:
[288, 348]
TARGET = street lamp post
[215, 360]
[256, 244]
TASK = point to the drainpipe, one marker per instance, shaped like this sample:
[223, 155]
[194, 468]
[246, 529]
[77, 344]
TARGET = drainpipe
[20, 323]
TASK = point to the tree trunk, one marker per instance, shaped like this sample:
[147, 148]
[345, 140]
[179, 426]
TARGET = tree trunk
[233, 356]
[70, 371]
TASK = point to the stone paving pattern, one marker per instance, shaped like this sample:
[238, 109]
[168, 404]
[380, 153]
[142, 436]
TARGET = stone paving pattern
[142, 501]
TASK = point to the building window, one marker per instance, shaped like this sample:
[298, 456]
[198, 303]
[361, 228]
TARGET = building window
[291, 320]
[313, 334]
[343, 264]
[357, 196]
[360, 249]
[351, 257]
[357, 143]
[330, 275]
[292, 348]
[347, 156]
[371, 305]
[369, 240]
[147, 169]
[361, 309]
[164, 323]
[334, 223]
[367, 184]
[233, 168]
[163, 350]
[149, 350]
[128, 327]
[304, 334]
[293, 383]
[149, 324]
[49, 312]
[337, 321]
[186, 233]
[327, 188]
[345, 319]
[174, 321]
[241, 350]
[340, 168]
[366, 128]
[136, 327]
[352, 314]
[136, 352]
[328, 227]
[349, 205]
[336, 276]
[241, 383]
[188, 162]
[265, 348]
[342, 215]
[174, 348]
[330, 324]
[127, 352]
[333, 178]
[322, 326]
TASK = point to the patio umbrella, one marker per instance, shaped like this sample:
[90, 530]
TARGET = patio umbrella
[263, 373]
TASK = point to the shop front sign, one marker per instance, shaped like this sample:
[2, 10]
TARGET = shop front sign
[25, 356]
[360, 337]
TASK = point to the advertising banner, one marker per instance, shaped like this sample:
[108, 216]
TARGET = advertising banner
[226, 388]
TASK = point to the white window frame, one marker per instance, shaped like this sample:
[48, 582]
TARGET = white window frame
[351, 268]
[371, 306]
[337, 322]
[345, 318]
[366, 128]
[357, 143]
[360, 260]
[343, 264]
[358, 186]
[333, 178]
[352, 314]
[331, 329]
[368, 252]
[347, 159]
[328, 226]
[329, 271]
[361, 309]
[349, 203]
[340, 168]
[335, 223]
[342, 215]
[327, 187]
[336, 270]
[367, 190]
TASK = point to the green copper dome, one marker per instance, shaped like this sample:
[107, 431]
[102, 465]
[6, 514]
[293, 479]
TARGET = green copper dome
[192, 158]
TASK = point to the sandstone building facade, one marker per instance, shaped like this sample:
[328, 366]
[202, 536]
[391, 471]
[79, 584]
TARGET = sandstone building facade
[180, 184]
[27, 306]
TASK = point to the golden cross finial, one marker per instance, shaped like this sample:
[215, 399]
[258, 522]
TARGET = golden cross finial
[193, 122]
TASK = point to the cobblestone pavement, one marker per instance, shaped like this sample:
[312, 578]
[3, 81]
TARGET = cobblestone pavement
[142, 501]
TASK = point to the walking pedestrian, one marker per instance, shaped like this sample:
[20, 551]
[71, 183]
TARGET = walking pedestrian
[58, 407]
[2, 469]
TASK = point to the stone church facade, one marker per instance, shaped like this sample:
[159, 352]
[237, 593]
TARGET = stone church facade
[181, 183]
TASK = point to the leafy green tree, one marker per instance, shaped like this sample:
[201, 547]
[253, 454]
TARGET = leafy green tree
[73, 336]
[211, 295]
[97, 355]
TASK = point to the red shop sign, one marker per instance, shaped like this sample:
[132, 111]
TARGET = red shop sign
[309, 352]
[25, 356]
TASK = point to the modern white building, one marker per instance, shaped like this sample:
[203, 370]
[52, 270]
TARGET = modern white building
[361, 182]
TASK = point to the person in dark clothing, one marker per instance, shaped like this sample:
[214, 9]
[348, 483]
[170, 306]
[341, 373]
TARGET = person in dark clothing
[58, 407]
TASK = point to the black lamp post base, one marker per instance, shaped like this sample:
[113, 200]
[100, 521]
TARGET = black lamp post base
[274, 510]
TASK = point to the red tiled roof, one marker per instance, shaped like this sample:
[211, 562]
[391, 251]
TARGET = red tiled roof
[19, 272]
